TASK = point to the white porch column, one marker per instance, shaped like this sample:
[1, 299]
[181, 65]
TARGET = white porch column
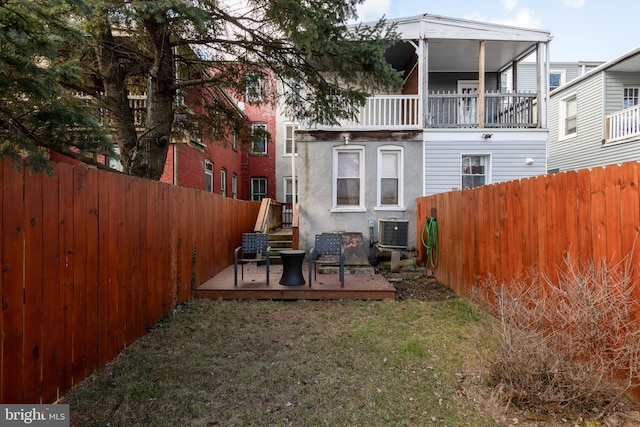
[481, 85]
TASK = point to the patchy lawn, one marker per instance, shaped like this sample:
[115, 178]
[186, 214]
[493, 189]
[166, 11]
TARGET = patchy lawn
[415, 361]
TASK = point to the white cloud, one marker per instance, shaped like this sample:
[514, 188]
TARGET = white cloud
[373, 10]
[523, 18]
[578, 4]
[510, 5]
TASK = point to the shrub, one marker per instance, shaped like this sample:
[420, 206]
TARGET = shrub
[571, 346]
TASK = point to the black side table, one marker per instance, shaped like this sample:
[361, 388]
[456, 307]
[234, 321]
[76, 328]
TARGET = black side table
[292, 268]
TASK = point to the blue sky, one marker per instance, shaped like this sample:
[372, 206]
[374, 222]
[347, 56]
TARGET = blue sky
[582, 30]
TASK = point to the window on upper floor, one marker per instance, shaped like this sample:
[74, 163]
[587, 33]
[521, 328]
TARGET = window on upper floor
[557, 78]
[348, 178]
[258, 188]
[390, 177]
[259, 138]
[223, 182]
[253, 88]
[208, 176]
[630, 96]
[289, 138]
[234, 186]
[234, 143]
[568, 123]
[475, 170]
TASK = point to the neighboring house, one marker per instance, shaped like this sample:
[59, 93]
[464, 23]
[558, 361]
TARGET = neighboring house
[227, 167]
[594, 119]
[449, 128]
[230, 168]
[559, 74]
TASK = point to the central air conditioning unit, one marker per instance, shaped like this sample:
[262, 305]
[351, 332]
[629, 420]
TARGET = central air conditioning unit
[393, 233]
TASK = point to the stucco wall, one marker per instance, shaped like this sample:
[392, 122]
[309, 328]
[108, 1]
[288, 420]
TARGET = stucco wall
[315, 179]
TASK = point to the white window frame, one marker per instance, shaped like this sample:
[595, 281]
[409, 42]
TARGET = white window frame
[399, 152]
[258, 196]
[234, 142]
[289, 130]
[253, 88]
[563, 77]
[288, 188]
[348, 149]
[264, 141]
[234, 185]
[625, 96]
[208, 176]
[562, 122]
[223, 182]
[487, 168]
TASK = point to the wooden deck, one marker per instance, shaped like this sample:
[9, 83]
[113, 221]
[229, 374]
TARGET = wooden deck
[356, 286]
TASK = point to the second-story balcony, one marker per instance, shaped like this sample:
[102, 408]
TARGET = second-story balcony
[623, 125]
[447, 110]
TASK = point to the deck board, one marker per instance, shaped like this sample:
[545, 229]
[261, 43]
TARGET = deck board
[356, 286]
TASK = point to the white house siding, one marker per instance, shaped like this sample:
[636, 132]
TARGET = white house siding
[508, 149]
[584, 149]
[527, 73]
[315, 180]
[587, 149]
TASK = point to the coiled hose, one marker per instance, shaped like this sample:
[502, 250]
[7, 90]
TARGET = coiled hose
[430, 228]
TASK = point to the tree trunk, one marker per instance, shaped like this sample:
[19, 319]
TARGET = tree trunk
[154, 142]
[143, 152]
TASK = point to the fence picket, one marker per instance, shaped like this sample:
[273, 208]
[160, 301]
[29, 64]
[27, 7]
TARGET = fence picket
[90, 260]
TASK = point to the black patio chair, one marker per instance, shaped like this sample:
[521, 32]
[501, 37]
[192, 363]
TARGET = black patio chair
[253, 244]
[327, 251]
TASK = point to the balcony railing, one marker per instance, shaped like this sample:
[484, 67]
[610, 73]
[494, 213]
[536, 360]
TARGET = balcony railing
[447, 110]
[623, 124]
[501, 110]
[387, 111]
[138, 104]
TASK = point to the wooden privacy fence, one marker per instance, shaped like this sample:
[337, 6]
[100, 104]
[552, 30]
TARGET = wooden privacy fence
[512, 228]
[90, 260]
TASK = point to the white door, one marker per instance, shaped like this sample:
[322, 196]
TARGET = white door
[468, 105]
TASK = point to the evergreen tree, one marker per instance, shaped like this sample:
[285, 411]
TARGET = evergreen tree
[188, 56]
[37, 113]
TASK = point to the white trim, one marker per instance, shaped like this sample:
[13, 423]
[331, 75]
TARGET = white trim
[208, 175]
[488, 167]
[359, 149]
[266, 129]
[562, 116]
[295, 126]
[399, 150]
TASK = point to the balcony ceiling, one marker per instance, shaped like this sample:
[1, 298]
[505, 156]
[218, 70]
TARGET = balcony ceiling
[447, 55]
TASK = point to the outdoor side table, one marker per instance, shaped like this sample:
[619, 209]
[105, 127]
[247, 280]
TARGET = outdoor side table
[292, 268]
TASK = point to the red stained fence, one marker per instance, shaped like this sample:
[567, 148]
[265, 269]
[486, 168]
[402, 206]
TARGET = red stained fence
[512, 228]
[90, 260]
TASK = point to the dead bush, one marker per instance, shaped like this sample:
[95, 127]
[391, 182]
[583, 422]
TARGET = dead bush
[570, 346]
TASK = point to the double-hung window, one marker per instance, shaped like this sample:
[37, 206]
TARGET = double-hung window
[234, 186]
[289, 141]
[348, 178]
[253, 88]
[258, 189]
[208, 176]
[630, 96]
[259, 138]
[223, 182]
[568, 116]
[475, 171]
[390, 173]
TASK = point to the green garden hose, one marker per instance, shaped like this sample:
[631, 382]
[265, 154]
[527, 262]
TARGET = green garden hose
[431, 243]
